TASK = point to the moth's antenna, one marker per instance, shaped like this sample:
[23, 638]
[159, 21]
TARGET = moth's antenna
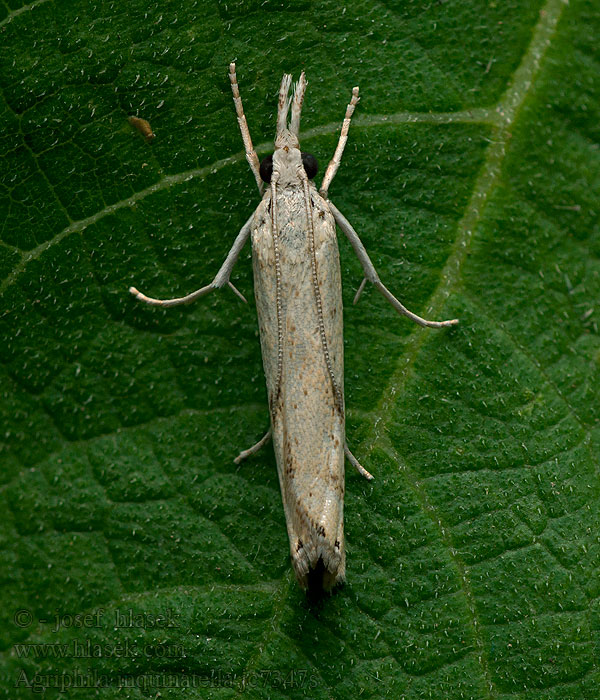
[334, 164]
[297, 105]
[251, 156]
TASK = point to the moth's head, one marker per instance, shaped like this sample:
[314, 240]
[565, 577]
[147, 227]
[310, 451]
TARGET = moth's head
[287, 164]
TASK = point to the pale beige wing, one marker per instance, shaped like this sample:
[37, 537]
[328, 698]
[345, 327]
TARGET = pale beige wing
[307, 419]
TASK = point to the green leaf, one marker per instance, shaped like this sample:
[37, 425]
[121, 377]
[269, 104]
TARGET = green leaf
[472, 176]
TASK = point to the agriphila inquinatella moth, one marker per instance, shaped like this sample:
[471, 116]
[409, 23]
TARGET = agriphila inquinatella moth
[298, 291]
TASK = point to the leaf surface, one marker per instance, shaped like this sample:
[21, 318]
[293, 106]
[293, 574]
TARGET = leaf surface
[472, 177]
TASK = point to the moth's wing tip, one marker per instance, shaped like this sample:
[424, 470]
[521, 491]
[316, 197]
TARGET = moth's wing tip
[319, 580]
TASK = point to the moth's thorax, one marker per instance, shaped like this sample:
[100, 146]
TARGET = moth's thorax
[287, 167]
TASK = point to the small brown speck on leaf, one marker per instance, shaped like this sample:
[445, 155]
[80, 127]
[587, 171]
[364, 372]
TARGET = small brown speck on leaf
[143, 126]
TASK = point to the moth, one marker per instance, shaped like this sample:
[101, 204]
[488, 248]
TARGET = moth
[298, 292]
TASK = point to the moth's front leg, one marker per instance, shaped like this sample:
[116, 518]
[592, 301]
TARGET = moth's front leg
[221, 279]
[372, 276]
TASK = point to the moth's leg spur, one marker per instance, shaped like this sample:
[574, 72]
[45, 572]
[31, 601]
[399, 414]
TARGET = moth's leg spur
[221, 279]
[359, 291]
[356, 464]
[372, 276]
[334, 164]
[251, 156]
[255, 448]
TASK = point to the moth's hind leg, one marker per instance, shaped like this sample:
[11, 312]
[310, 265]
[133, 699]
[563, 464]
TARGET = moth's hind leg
[356, 464]
[255, 448]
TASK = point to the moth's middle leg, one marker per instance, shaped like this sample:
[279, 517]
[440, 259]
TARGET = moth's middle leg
[255, 448]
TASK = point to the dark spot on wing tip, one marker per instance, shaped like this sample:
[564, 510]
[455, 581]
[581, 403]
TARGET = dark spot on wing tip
[321, 531]
[299, 545]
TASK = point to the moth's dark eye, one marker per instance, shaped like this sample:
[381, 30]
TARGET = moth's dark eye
[310, 165]
[266, 168]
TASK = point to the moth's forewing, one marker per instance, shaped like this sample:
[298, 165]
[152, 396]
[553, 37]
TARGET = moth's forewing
[306, 418]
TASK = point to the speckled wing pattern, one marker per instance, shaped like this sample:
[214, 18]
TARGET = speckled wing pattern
[307, 412]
